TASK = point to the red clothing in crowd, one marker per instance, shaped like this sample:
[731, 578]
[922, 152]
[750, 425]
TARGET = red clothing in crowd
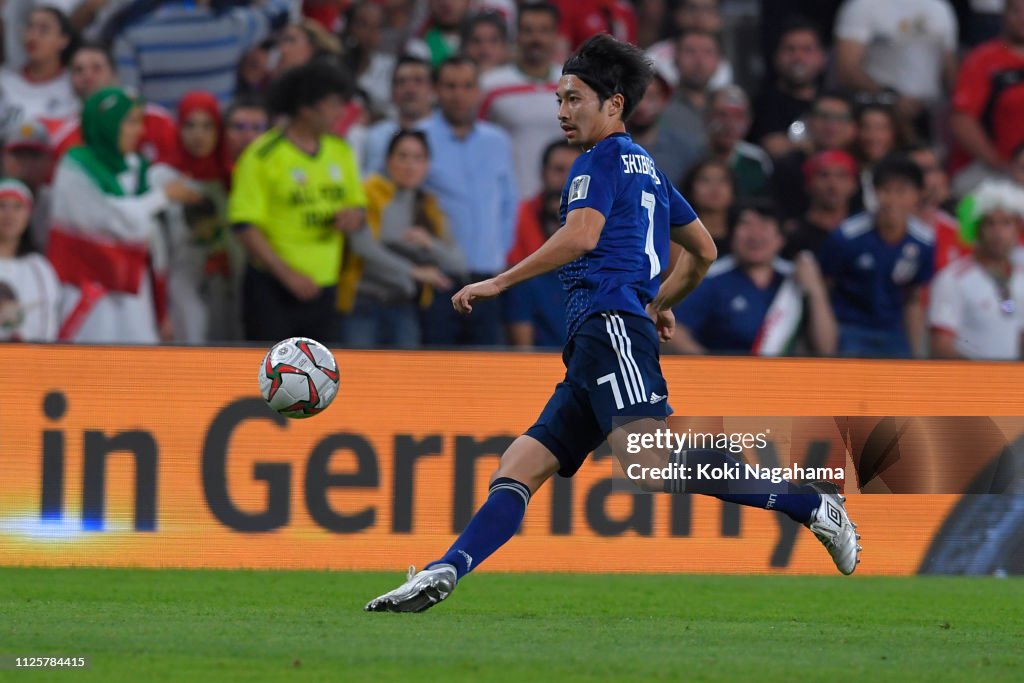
[529, 232]
[583, 18]
[214, 166]
[990, 89]
[159, 142]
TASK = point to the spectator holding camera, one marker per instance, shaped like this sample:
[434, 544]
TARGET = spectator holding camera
[394, 266]
[977, 302]
[800, 62]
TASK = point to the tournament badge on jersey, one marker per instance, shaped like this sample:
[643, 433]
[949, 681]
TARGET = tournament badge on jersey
[335, 172]
[298, 176]
[579, 188]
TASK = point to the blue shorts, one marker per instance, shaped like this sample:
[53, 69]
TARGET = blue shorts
[613, 373]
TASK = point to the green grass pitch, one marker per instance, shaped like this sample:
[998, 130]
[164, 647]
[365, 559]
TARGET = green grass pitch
[195, 626]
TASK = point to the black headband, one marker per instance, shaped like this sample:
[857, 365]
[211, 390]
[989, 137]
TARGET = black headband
[603, 92]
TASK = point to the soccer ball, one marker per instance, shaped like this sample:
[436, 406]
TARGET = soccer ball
[298, 377]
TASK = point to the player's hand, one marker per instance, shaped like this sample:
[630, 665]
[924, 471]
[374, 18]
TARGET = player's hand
[665, 321]
[181, 192]
[431, 275]
[418, 237]
[348, 220]
[464, 298]
[302, 287]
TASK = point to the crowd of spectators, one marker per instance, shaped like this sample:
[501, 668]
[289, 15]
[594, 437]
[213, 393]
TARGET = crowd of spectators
[226, 171]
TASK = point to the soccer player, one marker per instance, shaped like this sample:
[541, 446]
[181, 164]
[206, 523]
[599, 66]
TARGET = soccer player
[618, 212]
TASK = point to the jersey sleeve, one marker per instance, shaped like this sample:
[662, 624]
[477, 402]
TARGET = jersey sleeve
[945, 305]
[247, 202]
[593, 183]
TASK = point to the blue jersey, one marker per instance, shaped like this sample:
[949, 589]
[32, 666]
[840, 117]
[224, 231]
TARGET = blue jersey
[618, 179]
[872, 278]
[726, 311]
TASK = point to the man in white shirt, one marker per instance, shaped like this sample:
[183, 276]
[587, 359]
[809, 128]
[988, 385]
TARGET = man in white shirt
[908, 47]
[977, 302]
[520, 97]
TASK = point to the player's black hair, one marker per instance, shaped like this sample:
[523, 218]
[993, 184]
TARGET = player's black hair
[455, 60]
[539, 7]
[551, 149]
[66, 30]
[611, 66]
[88, 45]
[306, 86]
[492, 18]
[407, 133]
[898, 166]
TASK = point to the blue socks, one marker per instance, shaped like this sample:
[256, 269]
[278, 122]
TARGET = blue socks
[799, 502]
[492, 526]
[499, 518]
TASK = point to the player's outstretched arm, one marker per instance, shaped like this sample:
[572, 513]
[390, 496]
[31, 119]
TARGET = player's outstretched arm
[577, 237]
[699, 252]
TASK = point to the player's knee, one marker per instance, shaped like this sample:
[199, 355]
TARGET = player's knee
[527, 461]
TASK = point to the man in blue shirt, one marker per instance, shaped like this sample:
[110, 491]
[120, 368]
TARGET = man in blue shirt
[618, 213]
[727, 313]
[876, 265]
[472, 176]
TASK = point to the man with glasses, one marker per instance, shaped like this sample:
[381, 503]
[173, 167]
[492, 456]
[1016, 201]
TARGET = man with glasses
[412, 91]
[829, 126]
[244, 121]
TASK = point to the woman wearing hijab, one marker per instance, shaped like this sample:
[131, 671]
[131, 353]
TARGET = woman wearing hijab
[104, 220]
[206, 262]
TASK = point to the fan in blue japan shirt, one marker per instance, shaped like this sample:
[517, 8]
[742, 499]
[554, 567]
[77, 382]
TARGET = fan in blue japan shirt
[876, 265]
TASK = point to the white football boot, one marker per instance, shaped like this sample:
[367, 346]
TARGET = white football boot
[420, 592]
[832, 525]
